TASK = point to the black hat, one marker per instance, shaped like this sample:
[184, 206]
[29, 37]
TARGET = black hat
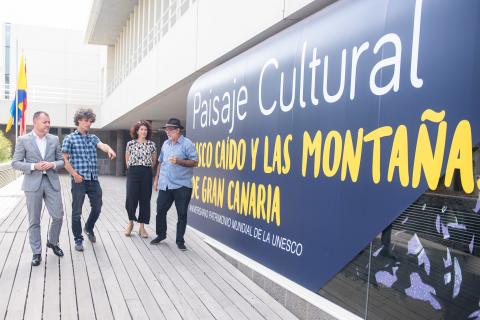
[173, 122]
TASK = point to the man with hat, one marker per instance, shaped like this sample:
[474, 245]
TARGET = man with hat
[173, 180]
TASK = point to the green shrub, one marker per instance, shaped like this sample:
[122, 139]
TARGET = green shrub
[5, 148]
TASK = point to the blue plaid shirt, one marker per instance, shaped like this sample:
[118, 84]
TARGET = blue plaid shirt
[82, 150]
[174, 176]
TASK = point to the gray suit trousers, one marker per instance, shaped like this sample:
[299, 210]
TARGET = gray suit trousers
[53, 202]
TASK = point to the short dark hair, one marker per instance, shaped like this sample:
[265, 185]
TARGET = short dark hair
[39, 113]
[137, 125]
[84, 113]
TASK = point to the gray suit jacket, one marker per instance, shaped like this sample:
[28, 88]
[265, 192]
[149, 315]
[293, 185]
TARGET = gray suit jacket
[27, 152]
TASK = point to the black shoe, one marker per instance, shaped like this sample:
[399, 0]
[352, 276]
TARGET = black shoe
[79, 245]
[157, 240]
[56, 249]
[90, 235]
[37, 258]
[181, 246]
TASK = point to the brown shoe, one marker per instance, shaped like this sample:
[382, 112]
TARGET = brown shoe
[129, 229]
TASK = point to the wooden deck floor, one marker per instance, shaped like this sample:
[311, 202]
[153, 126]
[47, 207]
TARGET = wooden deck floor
[120, 277]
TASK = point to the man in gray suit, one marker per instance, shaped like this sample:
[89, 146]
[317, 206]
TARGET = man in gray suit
[38, 155]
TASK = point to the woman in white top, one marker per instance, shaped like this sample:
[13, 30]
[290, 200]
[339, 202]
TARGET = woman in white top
[140, 156]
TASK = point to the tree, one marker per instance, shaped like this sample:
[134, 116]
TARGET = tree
[5, 148]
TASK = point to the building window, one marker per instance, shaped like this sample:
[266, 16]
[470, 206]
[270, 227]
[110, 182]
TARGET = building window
[7, 48]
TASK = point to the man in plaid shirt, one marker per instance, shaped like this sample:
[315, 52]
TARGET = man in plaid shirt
[80, 155]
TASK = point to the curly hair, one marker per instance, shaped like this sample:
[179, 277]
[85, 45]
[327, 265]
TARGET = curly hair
[84, 113]
[136, 126]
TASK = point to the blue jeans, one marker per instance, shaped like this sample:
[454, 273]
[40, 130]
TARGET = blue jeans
[92, 189]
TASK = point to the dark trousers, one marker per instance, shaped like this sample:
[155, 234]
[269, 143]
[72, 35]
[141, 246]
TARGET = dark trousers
[139, 190]
[181, 196]
[92, 189]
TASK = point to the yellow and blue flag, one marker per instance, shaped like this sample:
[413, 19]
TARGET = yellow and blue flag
[22, 100]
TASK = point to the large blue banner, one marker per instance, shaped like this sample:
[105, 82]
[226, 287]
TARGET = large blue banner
[316, 139]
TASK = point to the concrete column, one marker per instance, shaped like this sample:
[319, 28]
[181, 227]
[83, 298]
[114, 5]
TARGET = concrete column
[109, 72]
[120, 161]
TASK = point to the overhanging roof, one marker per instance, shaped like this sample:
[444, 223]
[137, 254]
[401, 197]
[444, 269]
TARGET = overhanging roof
[107, 19]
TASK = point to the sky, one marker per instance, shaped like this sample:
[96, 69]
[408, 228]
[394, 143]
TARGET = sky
[65, 14]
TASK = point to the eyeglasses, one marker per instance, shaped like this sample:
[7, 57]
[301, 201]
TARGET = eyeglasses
[170, 128]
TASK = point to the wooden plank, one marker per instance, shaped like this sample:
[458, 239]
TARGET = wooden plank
[136, 275]
[137, 278]
[115, 296]
[9, 272]
[9, 203]
[194, 278]
[192, 291]
[160, 281]
[100, 299]
[7, 237]
[229, 287]
[17, 299]
[51, 298]
[132, 300]
[85, 304]
[34, 304]
[165, 280]
[152, 307]
[174, 273]
[219, 305]
[227, 298]
[16, 305]
[116, 304]
[248, 290]
[182, 286]
[256, 296]
[68, 299]
[247, 307]
[14, 219]
[5, 246]
[98, 290]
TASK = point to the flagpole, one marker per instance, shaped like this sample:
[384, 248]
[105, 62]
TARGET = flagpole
[21, 131]
[16, 95]
[22, 123]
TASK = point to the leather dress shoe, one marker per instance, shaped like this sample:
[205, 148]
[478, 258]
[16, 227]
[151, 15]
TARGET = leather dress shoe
[157, 240]
[90, 235]
[56, 249]
[37, 258]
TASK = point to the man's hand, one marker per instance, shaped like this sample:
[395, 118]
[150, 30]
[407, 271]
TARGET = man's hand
[155, 185]
[77, 178]
[43, 165]
[107, 149]
[111, 154]
[38, 166]
[48, 166]
[183, 162]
